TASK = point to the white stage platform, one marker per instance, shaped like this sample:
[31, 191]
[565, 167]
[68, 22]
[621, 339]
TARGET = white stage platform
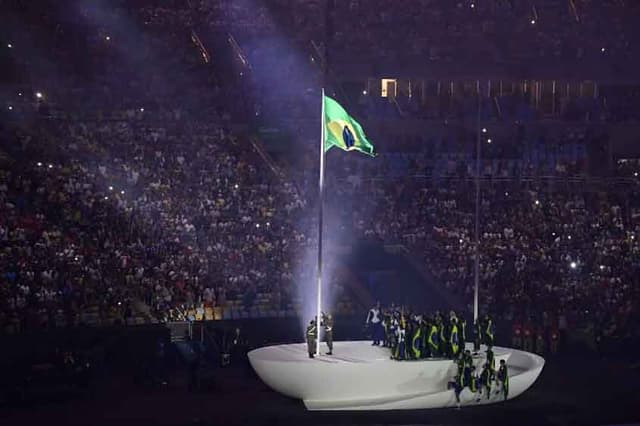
[360, 376]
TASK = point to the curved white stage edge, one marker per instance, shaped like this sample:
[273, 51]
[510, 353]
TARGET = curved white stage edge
[362, 377]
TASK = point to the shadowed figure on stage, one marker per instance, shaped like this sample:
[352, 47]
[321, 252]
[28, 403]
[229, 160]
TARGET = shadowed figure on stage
[327, 323]
[312, 335]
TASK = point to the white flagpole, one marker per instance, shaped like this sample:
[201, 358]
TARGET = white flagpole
[320, 206]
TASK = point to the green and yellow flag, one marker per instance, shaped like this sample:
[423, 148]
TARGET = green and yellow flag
[341, 130]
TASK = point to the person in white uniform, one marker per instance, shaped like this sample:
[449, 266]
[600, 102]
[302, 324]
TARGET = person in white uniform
[374, 319]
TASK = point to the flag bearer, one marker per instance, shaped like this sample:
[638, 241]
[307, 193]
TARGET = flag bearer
[327, 322]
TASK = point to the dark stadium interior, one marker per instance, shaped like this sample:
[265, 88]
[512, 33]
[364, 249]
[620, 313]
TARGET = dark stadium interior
[159, 198]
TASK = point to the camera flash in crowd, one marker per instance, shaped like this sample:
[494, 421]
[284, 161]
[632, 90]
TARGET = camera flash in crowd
[635, 174]
[39, 95]
[141, 109]
[533, 22]
[50, 166]
[489, 140]
[364, 92]
[19, 93]
[110, 188]
[603, 50]
[39, 164]
[484, 130]
[106, 198]
[472, 5]
[569, 237]
[107, 38]
[236, 186]
[122, 192]
[573, 265]
[537, 202]
[257, 225]
[10, 46]
[601, 267]
[460, 240]
[10, 107]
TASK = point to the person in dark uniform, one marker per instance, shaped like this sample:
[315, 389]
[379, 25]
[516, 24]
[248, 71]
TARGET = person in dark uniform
[401, 351]
[416, 341]
[454, 338]
[433, 340]
[467, 358]
[491, 361]
[327, 322]
[485, 381]
[462, 323]
[489, 331]
[458, 386]
[312, 335]
[503, 379]
[477, 335]
[439, 324]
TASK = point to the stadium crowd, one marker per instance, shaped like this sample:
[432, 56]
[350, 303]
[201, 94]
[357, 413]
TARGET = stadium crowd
[143, 200]
[178, 218]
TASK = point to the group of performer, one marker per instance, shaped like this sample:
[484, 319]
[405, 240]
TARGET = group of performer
[413, 336]
[480, 384]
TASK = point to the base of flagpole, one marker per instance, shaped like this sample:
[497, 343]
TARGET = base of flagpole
[359, 376]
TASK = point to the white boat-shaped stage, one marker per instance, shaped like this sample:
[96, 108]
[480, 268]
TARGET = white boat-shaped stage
[360, 376]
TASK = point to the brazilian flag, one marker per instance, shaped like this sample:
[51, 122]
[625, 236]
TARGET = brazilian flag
[341, 130]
